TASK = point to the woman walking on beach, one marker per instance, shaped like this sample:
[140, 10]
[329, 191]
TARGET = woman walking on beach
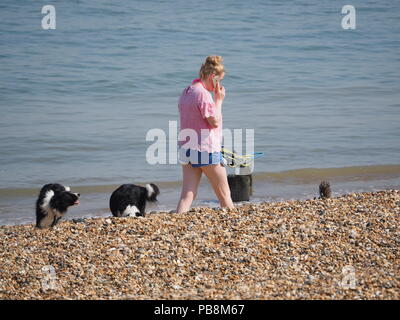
[200, 136]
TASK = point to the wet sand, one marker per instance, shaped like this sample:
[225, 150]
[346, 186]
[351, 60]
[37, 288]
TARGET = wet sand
[340, 248]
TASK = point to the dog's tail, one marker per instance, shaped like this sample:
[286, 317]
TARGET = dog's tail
[152, 192]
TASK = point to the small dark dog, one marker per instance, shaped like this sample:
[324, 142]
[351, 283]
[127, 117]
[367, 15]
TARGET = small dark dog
[325, 190]
[52, 203]
[130, 200]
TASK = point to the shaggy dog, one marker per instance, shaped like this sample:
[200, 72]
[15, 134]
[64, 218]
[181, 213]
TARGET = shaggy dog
[52, 203]
[130, 200]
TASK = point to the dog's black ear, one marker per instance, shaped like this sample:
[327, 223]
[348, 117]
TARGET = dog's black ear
[152, 192]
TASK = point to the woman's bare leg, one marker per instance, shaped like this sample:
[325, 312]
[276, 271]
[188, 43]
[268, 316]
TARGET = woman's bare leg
[216, 174]
[190, 184]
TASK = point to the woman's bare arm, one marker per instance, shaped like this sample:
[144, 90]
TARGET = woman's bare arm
[219, 97]
[214, 121]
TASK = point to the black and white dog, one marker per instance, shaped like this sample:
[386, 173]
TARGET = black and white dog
[52, 203]
[130, 200]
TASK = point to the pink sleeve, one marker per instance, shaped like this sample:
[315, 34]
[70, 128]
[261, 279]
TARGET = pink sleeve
[206, 106]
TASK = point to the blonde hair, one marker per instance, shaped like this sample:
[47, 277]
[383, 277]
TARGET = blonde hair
[212, 65]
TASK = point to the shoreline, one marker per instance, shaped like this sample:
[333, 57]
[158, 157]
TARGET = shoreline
[295, 249]
[19, 208]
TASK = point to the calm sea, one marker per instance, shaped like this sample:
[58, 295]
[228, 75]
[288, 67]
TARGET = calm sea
[77, 102]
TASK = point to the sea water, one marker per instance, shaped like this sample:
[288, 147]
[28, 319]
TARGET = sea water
[77, 102]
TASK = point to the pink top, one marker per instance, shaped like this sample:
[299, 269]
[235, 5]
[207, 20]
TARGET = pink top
[195, 105]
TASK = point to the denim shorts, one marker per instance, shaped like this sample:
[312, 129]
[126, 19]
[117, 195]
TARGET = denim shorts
[199, 159]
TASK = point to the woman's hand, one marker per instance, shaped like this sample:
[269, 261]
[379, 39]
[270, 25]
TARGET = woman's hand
[219, 92]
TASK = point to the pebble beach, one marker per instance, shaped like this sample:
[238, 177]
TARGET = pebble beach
[345, 247]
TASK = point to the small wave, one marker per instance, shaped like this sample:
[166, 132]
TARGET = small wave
[312, 175]
[295, 176]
